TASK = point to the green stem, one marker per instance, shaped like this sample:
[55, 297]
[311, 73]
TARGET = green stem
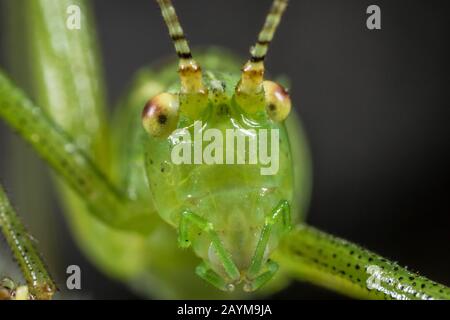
[22, 245]
[317, 257]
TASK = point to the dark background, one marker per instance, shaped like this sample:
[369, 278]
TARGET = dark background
[375, 106]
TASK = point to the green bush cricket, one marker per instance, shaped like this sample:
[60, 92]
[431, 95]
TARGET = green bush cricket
[132, 208]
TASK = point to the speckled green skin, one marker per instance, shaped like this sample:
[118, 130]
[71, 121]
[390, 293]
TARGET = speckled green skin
[317, 257]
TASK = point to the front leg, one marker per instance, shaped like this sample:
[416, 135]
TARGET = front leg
[281, 214]
[189, 219]
[39, 282]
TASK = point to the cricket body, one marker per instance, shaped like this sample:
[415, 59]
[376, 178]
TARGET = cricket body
[233, 210]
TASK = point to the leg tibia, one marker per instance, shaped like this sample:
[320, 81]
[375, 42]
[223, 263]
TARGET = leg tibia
[209, 275]
[190, 219]
[281, 214]
[105, 201]
[40, 284]
[262, 279]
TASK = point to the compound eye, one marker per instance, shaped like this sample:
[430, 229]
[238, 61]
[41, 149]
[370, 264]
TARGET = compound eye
[278, 102]
[160, 115]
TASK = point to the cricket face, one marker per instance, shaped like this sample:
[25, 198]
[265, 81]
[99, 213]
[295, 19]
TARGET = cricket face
[220, 127]
[224, 207]
[212, 118]
[231, 166]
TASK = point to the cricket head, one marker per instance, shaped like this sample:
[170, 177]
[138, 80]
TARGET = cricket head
[219, 164]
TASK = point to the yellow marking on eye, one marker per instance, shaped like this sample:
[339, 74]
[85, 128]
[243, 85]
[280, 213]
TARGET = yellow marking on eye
[278, 102]
[160, 115]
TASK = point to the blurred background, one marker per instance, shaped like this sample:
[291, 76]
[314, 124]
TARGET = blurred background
[375, 107]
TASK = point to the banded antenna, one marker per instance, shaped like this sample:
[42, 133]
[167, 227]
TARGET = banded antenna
[253, 71]
[273, 19]
[190, 71]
